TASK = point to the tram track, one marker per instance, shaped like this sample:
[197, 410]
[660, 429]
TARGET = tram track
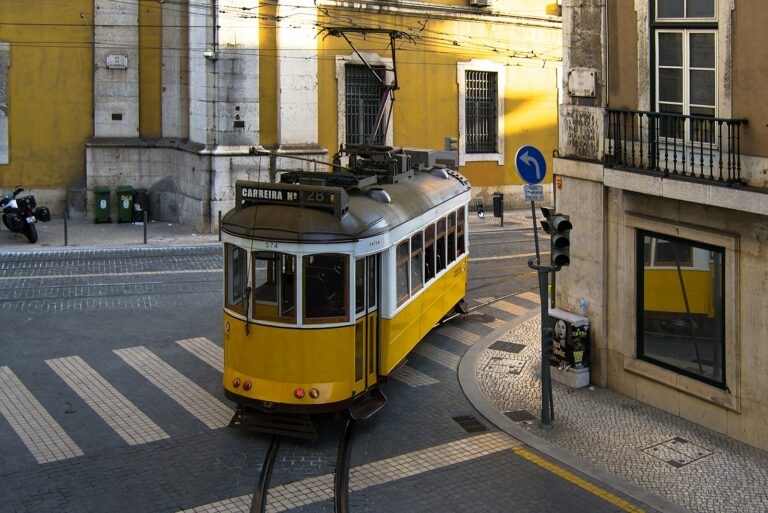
[260, 498]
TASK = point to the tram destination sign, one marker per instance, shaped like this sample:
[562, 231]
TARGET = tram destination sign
[309, 196]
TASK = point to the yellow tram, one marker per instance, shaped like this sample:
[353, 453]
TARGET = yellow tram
[331, 279]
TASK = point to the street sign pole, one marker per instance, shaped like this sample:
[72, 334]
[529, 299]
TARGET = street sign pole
[547, 406]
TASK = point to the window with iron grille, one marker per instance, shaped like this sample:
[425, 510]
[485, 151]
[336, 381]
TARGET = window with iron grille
[481, 111]
[363, 94]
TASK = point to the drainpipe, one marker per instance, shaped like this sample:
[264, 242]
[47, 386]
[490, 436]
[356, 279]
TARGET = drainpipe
[214, 62]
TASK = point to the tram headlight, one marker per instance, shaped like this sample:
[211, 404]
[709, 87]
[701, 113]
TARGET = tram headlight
[247, 386]
[236, 382]
[298, 393]
[314, 393]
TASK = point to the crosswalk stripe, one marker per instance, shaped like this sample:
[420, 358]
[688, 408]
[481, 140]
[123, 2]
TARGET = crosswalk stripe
[206, 350]
[440, 356]
[43, 436]
[212, 412]
[114, 408]
[377, 473]
[508, 307]
[460, 335]
[412, 377]
[530, 296]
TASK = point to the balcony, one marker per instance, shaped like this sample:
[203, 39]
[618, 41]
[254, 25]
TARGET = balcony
[703, 149]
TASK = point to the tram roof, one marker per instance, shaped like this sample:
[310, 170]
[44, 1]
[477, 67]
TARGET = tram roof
[365, 217]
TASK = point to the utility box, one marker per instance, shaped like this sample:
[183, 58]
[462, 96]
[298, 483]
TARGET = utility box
[101, 204]
[498, 204]
[571, 343]
[124, 195]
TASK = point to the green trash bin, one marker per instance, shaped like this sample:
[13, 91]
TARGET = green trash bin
[101, 204]
[124, 195]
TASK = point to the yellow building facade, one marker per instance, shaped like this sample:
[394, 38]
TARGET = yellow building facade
[184, 98]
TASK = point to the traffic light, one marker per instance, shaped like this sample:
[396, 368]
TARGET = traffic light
[558, 226]
[548, 342]
[451, 144]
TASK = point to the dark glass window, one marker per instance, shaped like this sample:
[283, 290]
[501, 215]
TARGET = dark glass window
[325, 288]
[274, 286]
[451, 237]
[236, 272]
[401, 274]
[417, 262]
[440, 246]
[364, 90]
[360, 285]
[460, 244]
[481, 112]
[681, 301]
[429, 252]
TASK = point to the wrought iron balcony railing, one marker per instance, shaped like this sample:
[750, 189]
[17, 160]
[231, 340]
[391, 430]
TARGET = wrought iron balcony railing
[699, 147]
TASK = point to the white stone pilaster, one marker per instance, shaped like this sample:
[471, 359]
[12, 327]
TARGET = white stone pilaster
[297, 73]
[202, 57]
[116, 91]
[175, 121]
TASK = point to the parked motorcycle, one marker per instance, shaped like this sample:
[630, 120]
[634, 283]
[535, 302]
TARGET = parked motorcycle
[20, 214]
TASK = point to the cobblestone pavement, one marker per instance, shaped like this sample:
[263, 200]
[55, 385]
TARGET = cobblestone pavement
[689, 465]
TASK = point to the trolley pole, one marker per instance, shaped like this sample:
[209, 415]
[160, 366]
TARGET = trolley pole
[547, 406]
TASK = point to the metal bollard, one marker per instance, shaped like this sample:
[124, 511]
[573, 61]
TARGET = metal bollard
[66, 239]
[145, 226]
[219, 225]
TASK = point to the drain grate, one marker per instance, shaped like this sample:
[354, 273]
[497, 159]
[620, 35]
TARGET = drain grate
[505, 365]
[677, 452]
[507, 347]
[470, 424]
[520, 416]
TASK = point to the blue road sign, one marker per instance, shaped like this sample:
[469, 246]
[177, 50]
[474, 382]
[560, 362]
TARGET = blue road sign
[531, 165]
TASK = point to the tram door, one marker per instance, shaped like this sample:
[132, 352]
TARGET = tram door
[366, 322]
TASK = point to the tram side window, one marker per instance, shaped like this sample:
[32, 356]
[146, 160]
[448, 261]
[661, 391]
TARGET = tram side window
[417, 262]
[236, 272]
[440, 250]
[325, 288]
[451, 237]
[274, 286]
[401, 274]
[429, 253]
[360, 285]
[461, 214]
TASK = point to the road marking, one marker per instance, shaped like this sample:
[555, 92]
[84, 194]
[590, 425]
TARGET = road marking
[212, 412]
[505, 257]
[530, 296]
[101, 275]
[508, 307]
[458, 334]
[114, 408]
[43, 436]
[320, 488]
[440, 356]
[206, 350]
[412, 377]
[581, 483]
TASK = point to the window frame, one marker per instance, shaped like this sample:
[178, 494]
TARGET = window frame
[640, 248]
[372, 59]
[486, 66]
[278, 261]
[240, 308]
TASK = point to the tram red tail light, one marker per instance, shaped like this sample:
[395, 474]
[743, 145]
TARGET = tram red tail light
[314, 393]
[247, 386]
[298, 393]
[236, 382]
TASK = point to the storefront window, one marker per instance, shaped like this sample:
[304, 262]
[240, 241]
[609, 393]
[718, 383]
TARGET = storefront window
[681, 301]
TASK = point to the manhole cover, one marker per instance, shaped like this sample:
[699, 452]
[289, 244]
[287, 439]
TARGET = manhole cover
[498, 365]
[520, 416]
[470, 424]
[507, 347]
[677, 452]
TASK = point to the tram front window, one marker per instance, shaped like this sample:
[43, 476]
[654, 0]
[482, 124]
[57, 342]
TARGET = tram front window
[236, 272]
[274, 286]
[325, 288]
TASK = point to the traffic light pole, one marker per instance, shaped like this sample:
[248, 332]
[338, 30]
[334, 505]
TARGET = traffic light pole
[547, 406]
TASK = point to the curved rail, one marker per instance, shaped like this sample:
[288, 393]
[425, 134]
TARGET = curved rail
[259, 501]
[341, 479]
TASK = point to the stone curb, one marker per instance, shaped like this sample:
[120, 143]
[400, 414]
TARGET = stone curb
[468, 384]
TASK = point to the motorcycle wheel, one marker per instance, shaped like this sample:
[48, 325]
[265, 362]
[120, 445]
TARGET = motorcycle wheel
[6, 222]
[31, 233]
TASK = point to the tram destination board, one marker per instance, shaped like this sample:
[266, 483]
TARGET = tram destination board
[310, 196]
